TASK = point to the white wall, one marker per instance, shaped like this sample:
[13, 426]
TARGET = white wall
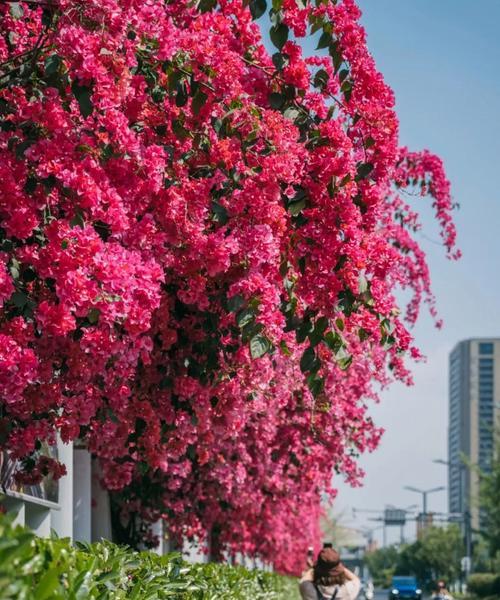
[62, 519]
[82, 495]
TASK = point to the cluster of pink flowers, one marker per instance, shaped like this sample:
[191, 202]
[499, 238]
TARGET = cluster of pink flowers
[200, 246]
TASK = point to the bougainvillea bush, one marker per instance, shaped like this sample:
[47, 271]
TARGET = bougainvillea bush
[201, 247]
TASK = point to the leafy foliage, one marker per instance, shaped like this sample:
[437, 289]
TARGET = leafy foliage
[435, 555]
[158, 164]
[484, 585]
[51, 569]
[489, 500]
[382, 564]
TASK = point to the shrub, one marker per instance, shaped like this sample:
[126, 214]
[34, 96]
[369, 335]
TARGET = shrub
[35, 568]
[484, 584]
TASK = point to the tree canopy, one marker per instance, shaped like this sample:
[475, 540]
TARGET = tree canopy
[435, 555]
[200, 248]
[489, 502]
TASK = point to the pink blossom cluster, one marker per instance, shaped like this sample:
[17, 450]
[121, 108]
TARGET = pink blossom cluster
[200, 245]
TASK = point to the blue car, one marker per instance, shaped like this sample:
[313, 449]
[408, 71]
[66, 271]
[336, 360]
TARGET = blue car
[405, 587]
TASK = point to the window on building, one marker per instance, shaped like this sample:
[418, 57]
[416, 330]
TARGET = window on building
[485, 348]
[486, 363]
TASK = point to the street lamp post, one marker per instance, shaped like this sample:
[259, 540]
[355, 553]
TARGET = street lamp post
[464, 505]
[423, 523]
[424, 493]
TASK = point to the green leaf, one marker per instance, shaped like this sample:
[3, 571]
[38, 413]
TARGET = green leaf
[19, 299]
[363, 283]
[78, 220]
[334, 341]
[364, 169]
[303, 331]
[259, 345]
[324, 40]
[298, 202]
[285, 349]
[83, 94]
[251, 330]
[198, 101]
[15, 268]
[358, 201]
[93, 315]
[47, 585]
[182, 96]
[235, 303]
[245, 317]
[369, 142]
[52, 64]
[16, 10]
[258, 8]
[317, 22]
[219, 213]
[320, 78]
[345, 180]
[180, 131]
[206, 5]
[83, 583]
[174, 78]
[346, 88]
[280, 60]
[309, 361]
[30, 185]
[316, 384]
[291, 113]
[343, 359]
[316, 335]
[279, 35]
[363, 334]
[343, 74]
[22, 147]
[296, 207]
[335, 52]
[276, 100]
[47, 16]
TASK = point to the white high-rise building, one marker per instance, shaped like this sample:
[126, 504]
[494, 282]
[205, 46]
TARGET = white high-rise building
[474, 414]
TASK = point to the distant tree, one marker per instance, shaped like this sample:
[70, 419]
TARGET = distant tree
[382, 563]
[489, 500]
[436, 555]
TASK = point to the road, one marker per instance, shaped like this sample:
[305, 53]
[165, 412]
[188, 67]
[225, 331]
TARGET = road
[381, 594]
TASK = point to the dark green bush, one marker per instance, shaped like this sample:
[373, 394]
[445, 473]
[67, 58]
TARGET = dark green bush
[484, 584]
[34, 568]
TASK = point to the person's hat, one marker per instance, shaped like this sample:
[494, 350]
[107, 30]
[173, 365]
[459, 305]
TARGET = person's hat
[328, 563]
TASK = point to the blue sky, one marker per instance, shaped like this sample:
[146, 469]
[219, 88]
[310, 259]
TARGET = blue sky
[442, 59]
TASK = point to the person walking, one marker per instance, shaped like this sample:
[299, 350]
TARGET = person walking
[441, 592]
[329, 579]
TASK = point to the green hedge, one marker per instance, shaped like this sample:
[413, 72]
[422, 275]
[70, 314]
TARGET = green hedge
[484, 584]
[33, 568]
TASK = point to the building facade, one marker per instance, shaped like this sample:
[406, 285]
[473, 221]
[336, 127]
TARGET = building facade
[77, 507]
[474, 413]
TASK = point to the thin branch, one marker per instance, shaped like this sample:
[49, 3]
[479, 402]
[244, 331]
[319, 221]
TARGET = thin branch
[16, 56]
[202, 83]
[32, 2]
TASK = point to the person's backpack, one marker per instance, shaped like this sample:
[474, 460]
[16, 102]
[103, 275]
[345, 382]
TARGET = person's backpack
[323, 597]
